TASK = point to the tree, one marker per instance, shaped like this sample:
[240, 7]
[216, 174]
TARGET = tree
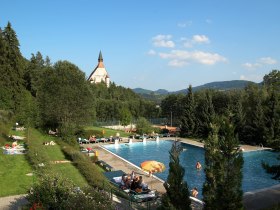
[173, 105]
[213, 169]
[239, 118]
[272, 79]
[205, 114]
[125, 117]
[188, 117]
[33, 73]
[224, 162]
[143, 126]
[55, 192]
[254, 128]
[11, 68]
[64, 98]
[177, 192]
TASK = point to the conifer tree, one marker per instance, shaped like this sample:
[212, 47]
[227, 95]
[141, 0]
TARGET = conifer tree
[205, 114]
[224, 162]
[177, 192]
[229, 189]
[12, 66]
[188, 118]
[212, 168]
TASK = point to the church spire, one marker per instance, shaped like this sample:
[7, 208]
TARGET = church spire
[100, 58]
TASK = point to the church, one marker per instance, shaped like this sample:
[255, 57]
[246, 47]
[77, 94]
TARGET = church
[99, 74]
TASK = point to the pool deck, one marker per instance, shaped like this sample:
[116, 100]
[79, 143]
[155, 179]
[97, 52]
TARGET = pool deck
[251, 200]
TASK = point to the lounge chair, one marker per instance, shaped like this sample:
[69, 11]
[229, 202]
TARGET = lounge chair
[145, 196]
[105, 165]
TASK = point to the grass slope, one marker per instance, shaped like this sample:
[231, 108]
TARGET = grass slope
[13, 168]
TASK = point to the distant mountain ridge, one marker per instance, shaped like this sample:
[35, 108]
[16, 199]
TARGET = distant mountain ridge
[223, 85]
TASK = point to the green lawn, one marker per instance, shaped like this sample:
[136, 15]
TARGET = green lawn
[70, 171]
[13, 168]
[54, 153]
[108, 132]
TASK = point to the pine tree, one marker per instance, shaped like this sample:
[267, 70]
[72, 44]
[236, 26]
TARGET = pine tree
[212, 168]
[205, 114]
[12, 70]
[239, 119]
[224, 162]
[177, 192]
[229, 188]
[188, 118]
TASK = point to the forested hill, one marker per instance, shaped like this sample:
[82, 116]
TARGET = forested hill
[224, 85]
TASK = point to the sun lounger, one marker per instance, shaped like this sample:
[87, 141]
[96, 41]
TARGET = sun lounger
[111, 176]
[144, 196]
[104, 165]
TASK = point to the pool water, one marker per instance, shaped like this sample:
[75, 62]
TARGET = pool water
[254, 177]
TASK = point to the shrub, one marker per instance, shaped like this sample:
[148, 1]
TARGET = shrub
[55, 192]
[96, 133]
[85, 166]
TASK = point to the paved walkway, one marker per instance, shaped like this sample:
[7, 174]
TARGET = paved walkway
[12, 202]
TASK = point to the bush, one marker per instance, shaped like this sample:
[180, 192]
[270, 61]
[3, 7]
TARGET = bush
[84, 164]
[96, 133]
[55, 192]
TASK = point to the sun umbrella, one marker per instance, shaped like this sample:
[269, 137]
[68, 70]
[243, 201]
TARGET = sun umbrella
[153, 166]
[89, 149]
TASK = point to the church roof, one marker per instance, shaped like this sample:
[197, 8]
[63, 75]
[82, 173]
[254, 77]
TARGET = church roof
[99, 65]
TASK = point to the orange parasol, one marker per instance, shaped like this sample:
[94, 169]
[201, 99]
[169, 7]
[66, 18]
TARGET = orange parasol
[153, 166]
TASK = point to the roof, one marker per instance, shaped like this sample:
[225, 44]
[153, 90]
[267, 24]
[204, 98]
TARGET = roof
[99, 65]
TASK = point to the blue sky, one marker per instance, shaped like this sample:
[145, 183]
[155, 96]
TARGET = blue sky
[153, 44]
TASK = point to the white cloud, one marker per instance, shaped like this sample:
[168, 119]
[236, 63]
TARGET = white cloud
[205, 58]
[242, 77]
[251, 66]
[184, 24]
[196, 39]
[152, 52]
[163, 41]
[252, 77]
[200, 39]
[260, 62]
[177, 63]
[267, 60]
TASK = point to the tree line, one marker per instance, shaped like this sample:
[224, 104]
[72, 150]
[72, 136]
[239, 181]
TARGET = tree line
[254, 111]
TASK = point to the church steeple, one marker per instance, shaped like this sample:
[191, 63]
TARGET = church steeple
[100, 74]
[100, 58]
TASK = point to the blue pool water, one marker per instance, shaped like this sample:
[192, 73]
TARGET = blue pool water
[254, 177]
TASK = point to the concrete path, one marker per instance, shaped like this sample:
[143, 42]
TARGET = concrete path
[261, 199]
[12, 202]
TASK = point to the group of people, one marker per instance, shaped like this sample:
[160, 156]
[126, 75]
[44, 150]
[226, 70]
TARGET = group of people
[133, 182]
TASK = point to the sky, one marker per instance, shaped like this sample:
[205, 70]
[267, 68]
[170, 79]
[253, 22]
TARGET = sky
[153, 44]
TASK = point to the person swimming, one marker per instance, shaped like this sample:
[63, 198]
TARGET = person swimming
[194, 192]
[198, 165]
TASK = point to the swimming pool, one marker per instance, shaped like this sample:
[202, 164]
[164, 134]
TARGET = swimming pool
[254, 177]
